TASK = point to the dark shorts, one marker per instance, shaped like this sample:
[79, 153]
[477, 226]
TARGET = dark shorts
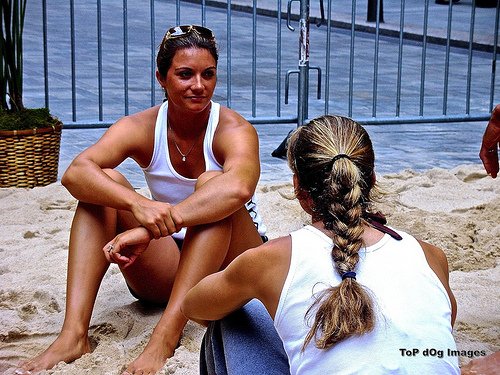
[178, 242]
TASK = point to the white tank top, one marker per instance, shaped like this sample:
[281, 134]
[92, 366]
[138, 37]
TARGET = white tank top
[412, 307]
[166, 185]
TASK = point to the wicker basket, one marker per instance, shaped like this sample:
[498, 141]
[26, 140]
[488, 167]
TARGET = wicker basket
[29, 158]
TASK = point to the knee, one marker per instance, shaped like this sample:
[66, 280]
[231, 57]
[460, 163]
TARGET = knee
[206, 176]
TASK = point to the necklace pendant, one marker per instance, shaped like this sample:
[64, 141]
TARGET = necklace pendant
[183, 158]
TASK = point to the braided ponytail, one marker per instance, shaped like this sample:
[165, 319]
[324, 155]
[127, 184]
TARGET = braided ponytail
[333, 160]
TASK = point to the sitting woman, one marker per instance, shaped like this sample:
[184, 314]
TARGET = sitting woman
[201, 163]
[346, 294]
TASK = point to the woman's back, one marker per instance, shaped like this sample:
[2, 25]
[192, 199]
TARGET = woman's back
[345, 298]
[413, 310]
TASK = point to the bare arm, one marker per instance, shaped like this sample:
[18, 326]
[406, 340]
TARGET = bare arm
[489, 146]
[85, 179]
[236, 146]
[436, 259]
[257, 273]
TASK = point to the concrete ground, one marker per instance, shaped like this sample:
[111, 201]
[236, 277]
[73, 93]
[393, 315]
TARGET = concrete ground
[398, 147]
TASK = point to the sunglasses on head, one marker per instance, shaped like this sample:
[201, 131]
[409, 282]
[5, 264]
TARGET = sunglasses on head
[183, 30]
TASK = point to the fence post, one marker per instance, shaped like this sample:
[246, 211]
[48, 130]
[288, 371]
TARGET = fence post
[303, 89]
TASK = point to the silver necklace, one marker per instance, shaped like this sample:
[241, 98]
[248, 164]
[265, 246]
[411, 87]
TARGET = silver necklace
[184, 156]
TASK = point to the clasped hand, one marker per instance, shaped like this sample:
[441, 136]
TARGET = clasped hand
[159, 218]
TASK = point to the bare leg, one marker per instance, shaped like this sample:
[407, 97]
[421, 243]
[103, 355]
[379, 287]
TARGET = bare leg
[92, 227]
[207, 248]
[86, 268]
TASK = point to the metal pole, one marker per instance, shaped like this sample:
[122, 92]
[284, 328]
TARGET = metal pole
[125, 55]
[278, 61]
[229, 53]
[45, 54]
[494, 57]
[99, 59]
[153, 49]
[254, 58]
[303, 88]
[73, 59]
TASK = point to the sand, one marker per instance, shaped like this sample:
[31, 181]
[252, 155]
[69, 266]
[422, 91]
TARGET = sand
[457, 210]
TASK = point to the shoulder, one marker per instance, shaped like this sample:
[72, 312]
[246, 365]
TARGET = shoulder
[276, 250]
[235, 139]
[132, 135]
[138, 121]
[133, 129]
[434, 256]
[231, 120]
[260, 265]
[263, 271]
[265, 256]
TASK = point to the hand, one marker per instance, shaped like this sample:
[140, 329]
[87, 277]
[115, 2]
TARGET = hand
[490, 144]
[127, 246]
[159, 218]
[488, 365]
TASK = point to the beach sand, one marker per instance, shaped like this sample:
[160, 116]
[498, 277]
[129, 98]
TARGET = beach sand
[457, 210]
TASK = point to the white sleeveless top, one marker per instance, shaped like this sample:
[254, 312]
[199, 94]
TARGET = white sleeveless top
[413, 310]
[166, 185]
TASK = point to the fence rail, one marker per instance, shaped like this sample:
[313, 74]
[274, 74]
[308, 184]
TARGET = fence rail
[92, 62]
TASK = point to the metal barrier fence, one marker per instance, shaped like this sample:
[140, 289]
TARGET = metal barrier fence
[92, 62]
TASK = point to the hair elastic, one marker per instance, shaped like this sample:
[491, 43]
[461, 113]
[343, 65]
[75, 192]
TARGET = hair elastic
[349, 275]
[340, 156]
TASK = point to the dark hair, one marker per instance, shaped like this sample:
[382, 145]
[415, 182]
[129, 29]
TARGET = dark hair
[169, 47]
[333, 160]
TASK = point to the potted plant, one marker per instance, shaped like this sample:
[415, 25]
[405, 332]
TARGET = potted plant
[29, 138]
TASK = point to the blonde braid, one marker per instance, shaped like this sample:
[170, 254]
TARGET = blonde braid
[333, 160]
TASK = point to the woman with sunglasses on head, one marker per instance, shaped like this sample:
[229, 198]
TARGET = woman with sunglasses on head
[346, 293]
[201, 163]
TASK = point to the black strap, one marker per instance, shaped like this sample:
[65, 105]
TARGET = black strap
[377, 220]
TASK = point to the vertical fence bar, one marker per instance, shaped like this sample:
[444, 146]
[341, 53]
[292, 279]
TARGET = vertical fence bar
[328, 51]
[469, 57]
[203, 13]
[351, 57]
[303, 92]
[228, 59]
[278, 61]
[153, 49]
[302, 110]
[73, 63]
[45, 53]
[254, 58]
[177, 12]
[400, 57]
[447, 59]
[494, 58]
[125, 55]
[99, 58]
[424, 57]
[375, 61]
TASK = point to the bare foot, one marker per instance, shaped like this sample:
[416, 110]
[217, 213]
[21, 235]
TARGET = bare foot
[65, 348]
[159, 348]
